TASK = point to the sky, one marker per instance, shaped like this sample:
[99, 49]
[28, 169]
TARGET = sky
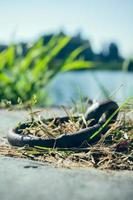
[100, 21]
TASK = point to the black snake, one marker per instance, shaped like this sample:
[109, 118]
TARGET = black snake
[99, 112]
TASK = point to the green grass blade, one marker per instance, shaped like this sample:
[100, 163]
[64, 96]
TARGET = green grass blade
[110, 118]
[80, 64]
[42, 65]
[75, 53]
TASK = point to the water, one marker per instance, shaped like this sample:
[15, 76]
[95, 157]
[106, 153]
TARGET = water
[72, 85]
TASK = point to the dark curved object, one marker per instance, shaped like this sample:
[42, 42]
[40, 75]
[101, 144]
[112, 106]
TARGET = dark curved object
[77, 139]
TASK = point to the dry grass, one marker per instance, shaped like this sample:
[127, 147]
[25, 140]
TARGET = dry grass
[114, 151]
[42, 129]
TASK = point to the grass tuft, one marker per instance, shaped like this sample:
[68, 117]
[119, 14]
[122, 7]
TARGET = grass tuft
[114, 151]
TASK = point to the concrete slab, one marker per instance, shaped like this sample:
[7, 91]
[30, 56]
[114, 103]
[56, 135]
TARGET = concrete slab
[25, 180]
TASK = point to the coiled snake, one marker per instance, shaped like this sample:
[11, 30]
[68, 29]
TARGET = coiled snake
[76, 139]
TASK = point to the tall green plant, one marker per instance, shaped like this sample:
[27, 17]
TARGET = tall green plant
[26, 76]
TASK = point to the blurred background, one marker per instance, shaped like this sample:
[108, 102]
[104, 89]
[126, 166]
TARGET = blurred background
[66, 51]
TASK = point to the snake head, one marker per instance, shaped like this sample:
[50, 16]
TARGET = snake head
[101, 111]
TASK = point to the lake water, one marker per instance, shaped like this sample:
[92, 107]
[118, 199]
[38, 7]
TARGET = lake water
[71, 85]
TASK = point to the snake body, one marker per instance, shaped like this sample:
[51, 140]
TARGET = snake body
[76, 139]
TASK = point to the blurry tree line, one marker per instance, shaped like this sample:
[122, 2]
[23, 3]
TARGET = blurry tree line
[110, 53]
[108, 58]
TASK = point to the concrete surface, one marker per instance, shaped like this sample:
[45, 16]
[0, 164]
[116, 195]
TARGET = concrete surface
[27, 180]
[23, 179]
